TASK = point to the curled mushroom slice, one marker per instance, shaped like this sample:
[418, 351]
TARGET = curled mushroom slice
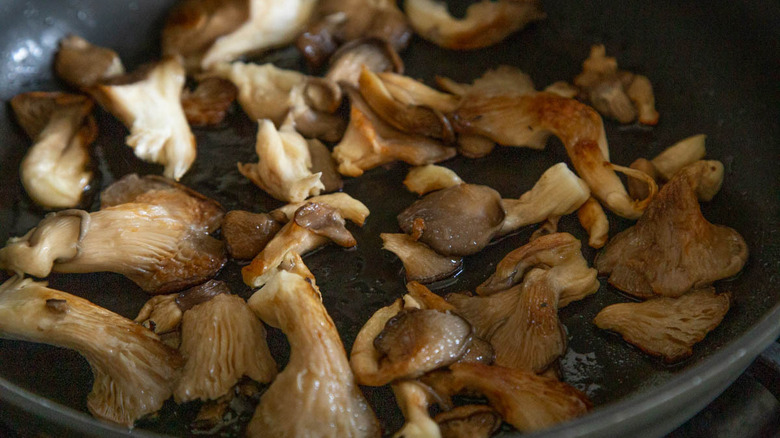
[469, 421]
[270, 24]
[456, 221]
[526, 401]
[246, 234]
[428, 178]
[284, 166]
[221, 341]
[421, 263]
[148, 102]
[667, 327]
[372, 53]
[82, 64]
[322, 162]
[595, 222]
[486, 22]
[316, 393]
[313, 225]
[672, 248]
[557, 193]
[54, 172]
[414, 399]
[133, 371]
[529, 119]
[209, 102]
[160, 241]
[663, 167]
[370, 142]
[349, 207]
[413, 92]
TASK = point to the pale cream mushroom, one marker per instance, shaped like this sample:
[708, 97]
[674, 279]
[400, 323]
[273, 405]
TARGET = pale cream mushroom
[148, 102]
[284, 167]
[414, 399]
[428, 178]
[595, 222]
[316, 393]
[55, 170]
[133, 371]
[349, 207]
[486, 22]
[82, 64]
[372, 53]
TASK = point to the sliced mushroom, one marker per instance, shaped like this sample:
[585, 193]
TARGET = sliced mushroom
[594, 220]
[413, 399]
[349, 207]
[160, 241]
[663, 167]
[313, 225]
[526, 401]
[341, 21]
[55, 171]
[474, 146]
[270, 24]
[469, 421]
[209, 102]
[456, 221]
[498, 81]
[82, 64]
[133, 371]
[375, 54]
[486, 22]
[148, 102]
[421, 263]
[563, 89]
[284, 167]
[370, 142]
[322, 162]
[425, 298]
[316, 393]
[413, 92]
[667, 327]
[221, 341]
[246, 234]
[162, 313]
[673, 248]
[557, 193]
[428, 178]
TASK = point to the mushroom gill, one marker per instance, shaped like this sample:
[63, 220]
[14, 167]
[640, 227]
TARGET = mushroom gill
[673, 248]
[55, 170]
[133, 371]
[316, 393]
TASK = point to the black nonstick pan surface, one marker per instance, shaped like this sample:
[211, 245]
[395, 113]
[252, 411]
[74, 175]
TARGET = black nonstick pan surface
[714, 67]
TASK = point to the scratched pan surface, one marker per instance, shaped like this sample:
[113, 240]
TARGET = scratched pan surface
[714, 67]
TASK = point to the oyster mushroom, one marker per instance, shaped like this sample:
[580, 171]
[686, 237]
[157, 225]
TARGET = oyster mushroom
[221, 341]
[413, 399]
[498, 81]
[429, 178]
[159, 240]
[667, 327]
[82, 64]
[673, 248]
[343, 21]
[469, 421]
[133, 371]
[421, 263]
[316, 393]
[594, 220]
[148, 102]
[370, 142]
[284, 167]
[322, 162]
[409, 91]
[526, 401]
[313, 225]
[246, 234]
[456, 221]
[372, 53]
[486, 22]
[162, 313]
[208, 103]
[54, 172]
[349, 207]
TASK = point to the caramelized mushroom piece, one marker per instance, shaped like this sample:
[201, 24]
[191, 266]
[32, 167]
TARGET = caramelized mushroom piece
[159, 240]
[246, 234]
[456, 221]
[209, 102]
[133, 371]
[594, 220]
[54, 172]
[316, 393]
[221, 341]
[413, 399]
[428, 178]
[370, 142]
[469, 421]
[322, 162]
[374, 54]
[284, 167]
[162, 313]
[486, 22]
[526, 401]
[148, 102]
[349, 207]
[421, 263]
[501, 80]
[82, 64]
[413, 92]
[667, 327]
[673, 248]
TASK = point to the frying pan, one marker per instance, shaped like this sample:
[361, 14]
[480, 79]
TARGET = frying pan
[714, 67]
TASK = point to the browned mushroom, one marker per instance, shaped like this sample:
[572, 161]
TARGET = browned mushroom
[54, 172]
[456, 221]
[673, 248]
[322, 162]
[526, 401]
[133, 371]
[159, 239]
[316, 393]
[414, 399]
[349, 207]
[246, 234]
[469, 421]
[595, 222]
[372, 53]
[82, 64]
[667, 327]
[486, 22]
[421, 263]
[209, 102]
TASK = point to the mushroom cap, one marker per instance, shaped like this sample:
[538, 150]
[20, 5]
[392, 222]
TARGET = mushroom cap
[82, 64]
